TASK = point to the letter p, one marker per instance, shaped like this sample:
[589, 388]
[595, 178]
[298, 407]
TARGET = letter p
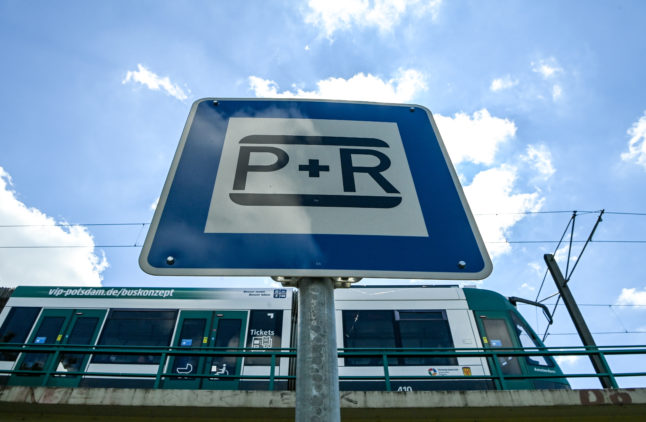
[244, 166]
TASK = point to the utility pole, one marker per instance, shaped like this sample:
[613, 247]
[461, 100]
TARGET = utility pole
[600, 365]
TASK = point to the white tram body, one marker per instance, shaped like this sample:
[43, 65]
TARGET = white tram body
[144, 337]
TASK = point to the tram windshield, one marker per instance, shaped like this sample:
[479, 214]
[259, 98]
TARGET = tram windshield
[529, 341]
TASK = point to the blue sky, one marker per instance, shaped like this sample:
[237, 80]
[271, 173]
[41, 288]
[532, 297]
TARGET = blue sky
[541, 105]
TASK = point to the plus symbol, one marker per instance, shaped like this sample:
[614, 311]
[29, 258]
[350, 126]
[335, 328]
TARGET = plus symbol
[313, 168]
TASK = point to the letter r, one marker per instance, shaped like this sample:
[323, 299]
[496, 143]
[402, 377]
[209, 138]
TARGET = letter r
[348, 169]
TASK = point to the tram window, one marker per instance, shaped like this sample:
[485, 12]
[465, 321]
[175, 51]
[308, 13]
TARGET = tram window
[191, 336]
[529, 341]
[83, 330]
[227, 336]
[265, 332]
[16, 328]
[397, 329]
[81, 334]
[48, 332]
[136, 328]
[368, 329]
[419, 329]
[192, 332]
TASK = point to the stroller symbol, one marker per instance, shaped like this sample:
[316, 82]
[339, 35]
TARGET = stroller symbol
[185, 370]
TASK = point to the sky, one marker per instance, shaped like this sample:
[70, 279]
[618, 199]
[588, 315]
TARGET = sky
[541, 105]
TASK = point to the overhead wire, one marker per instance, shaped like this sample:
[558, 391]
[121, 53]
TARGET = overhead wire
[612, 307]
[618, 319]
[534, 212]
[569, 250]
[578, 259]
[72, 225]
[66, 246]
[568, 272]
[142, 225]
[616, 305]
[558, 299]
[579, 212]
[574, 241]
[570, 226]
[548, 297]
[600, 333]
[141, 229]
[138, 245]
[545, 276]
[594, 229]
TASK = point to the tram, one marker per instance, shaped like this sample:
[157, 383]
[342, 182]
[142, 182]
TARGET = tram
[239, 339]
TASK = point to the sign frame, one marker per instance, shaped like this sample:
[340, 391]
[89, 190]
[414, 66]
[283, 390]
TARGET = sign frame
[176, 243]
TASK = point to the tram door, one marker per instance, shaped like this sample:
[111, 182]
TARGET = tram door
[55, 327]
[206, 329]
[498, 334]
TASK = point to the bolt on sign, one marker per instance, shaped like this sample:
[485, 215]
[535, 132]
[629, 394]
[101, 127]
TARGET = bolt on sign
[313, 188]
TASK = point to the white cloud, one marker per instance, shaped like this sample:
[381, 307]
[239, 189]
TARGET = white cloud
[154, 82]
[632, 297]
[335, 15]
[540, 158]
[547, 68]
[527, 287]
[568, 360]
[361, 87]
[153, 206]
[536, 267]
[492, 191]
[552, 75]
[503, 83]
[43, 266]
[474, 138]
[637, 144]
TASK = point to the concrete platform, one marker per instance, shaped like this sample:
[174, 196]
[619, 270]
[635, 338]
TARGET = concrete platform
[107, 404]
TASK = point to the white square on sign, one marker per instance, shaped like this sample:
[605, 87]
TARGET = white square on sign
[309, 176]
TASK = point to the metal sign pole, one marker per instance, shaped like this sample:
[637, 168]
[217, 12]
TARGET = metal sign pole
[317, 372]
